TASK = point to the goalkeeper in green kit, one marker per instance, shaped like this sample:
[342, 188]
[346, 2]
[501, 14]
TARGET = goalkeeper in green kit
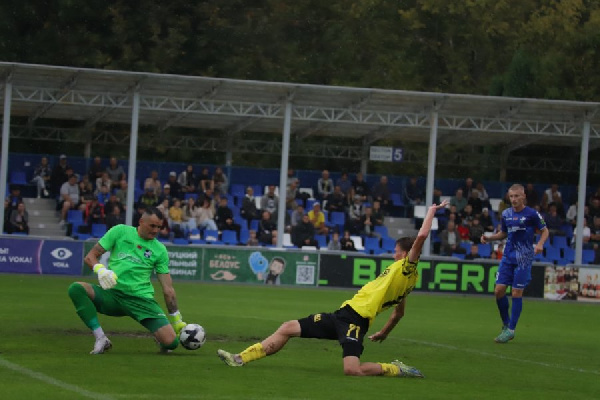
[125, 289]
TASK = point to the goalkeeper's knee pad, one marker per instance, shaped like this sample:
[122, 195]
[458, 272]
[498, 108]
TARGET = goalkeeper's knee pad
[172, 346]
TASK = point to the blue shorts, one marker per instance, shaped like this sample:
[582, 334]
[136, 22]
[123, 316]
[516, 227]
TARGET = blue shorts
[510, 274]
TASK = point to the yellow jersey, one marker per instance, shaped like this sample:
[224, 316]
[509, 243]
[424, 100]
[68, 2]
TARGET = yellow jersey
[387, 290]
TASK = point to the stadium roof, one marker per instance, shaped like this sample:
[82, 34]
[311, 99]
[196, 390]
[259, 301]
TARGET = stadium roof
[92, 95]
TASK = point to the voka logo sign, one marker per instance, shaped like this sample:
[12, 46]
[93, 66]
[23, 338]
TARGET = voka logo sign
[61, 253]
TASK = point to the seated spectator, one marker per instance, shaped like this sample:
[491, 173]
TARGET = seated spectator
[103, 195]
[220, 182]
[187, 180]
[190, 214]
[115, 172]
[296, 217]
[177, 224]
[14, 198]
[115, 217]
[459, 201]
[252, 239]
[532, 196]
[96, 170]
[69, 198]
[467, 215]
[413, 193]
[267, 229]
[112, 202]
[270, 202]
[59, 175]
[324, 185]
[164, 207]
[594, 209]
[586, 236]
[249, 210]
[554, 222]
[165, 231]
[475, 231]
[317, 218]
[475, 202]
[378, 217]
[347, 242]
[122, 195]
[224, 217]
[463, 231]
[86, 190]
[19, 220]
[381, 193]
[94, 213]
[486, 220]
[571, 216]
[355, 212]
[474, 253]
[345, 185]
[104, 180]
[595, 233]
[140, 210]
[205, 216]
[175, 187]
[303, 234]
[451, 240]
[334, 243]
[166, 195]
[153, 183]
[205, 181]
[483, 196]
[291, 178]
[210, 196]
[503, 205]
[551, 195]
[41, 177]
[500, 250]
[149, 198]
[360, 188]
[336, 201]
[367, 223]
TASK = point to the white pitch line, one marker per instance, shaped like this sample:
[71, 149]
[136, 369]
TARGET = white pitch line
[52, 381]
[486, 354]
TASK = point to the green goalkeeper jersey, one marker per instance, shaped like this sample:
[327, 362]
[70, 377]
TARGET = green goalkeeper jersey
[133, 259]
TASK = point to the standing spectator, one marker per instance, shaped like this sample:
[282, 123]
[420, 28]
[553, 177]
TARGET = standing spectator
[69, 197]
[269, 202]
[360, 188]
[205, 181]
[413, 193]
[324, 185]
[59, 175]
[267, 230]
[451, 240]
[303, 234]
[103, 195]
[153, 183]
[381, 193]
[116, 172]
[205, 218]
[336, 201]
[220, 182]
[187, 180]
[19, 220]
[249, 210]
[345, 185]
[41, 177]
[532, 196]
[458, 200]
[174, 185]
[114, 218]
[96, 170]
[317, 218]
[334, 244]
[224, 217]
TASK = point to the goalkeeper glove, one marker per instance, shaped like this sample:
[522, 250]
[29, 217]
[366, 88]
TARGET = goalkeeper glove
[177, 321]
[106, 277]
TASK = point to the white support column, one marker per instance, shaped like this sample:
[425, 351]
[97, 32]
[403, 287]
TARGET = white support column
[431, 172]
[5, 141]
[583, 165]
[285, 152]
[133, 141]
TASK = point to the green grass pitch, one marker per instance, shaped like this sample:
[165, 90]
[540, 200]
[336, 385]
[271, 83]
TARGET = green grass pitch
[44, 348]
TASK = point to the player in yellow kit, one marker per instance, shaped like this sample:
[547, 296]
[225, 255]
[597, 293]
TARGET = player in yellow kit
[350, 323]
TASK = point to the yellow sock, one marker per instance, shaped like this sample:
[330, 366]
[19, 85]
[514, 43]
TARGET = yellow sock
[252, 353]
[389, 369]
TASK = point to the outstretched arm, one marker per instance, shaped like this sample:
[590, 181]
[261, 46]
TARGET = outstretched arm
[415, 251]
[396, 315]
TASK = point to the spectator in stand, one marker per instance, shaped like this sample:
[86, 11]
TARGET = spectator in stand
[474, 253]
[224, 217]
[115, 172]
[270, 202]
[41, 177]
[467, 215]
[355, 212]
[475, 231]
[220, 182]
[249, 210]
[381, 193]
[551, 195]
[296, 217]
[267, 230]
[459, 201]
[205, 218]
[291, 178]
[176, 191]
[140, 210]
[475, 202]
[112, 202]
[165, 231]
[486, 220]
[290, 196]
[59, 175]
[317, 218]
[122, 195]
[336, 201]
[187, 180]
[347, 242]
[103, 195]
[19, 220]
[452, 214]
[208, 194]
[378, 216]
[467, 187]
[153, 183]
[532, 196]
[149, 198]
[86, 190]
[303, 234]
[504, 204]
[345, 185]
[114, 218]
[252, 239]
[483, 196]
[177, 224]
[595, 233]
[205, 181]
[104, 180]
[190, 214]
[437, 196]
[166, 195]
[334, 244]
[367, 223]
[594, 209]
[360, 188]
[587, 236]
[463, 231]
[69, 197]
[554, 221]
[450, 240]
[164, 207]
[571, 217]
[96, 170]
[413, 193]
[324, 185]
[94, 213]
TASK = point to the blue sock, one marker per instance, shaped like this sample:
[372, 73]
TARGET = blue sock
[517, 306]
[503, 308]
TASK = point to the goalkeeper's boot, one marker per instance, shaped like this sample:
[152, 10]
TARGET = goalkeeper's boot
[102, 345]
[229, 358]
[505, 336]
[407, 371]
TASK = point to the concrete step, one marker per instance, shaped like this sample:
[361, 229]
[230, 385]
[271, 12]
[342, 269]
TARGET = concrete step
[44, 222]
[40, 203]
[47, 232]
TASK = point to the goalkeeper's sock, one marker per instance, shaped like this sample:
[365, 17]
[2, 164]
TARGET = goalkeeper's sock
[252, 353]
[98, 332]
[503, 308]
[517, 307]
[389, 369]
[171, 346]
[84, 306]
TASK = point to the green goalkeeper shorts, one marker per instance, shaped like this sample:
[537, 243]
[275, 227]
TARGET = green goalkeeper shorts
[118, 304]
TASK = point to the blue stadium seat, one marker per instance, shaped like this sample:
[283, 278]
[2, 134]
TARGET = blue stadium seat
[254, 225]
[238, 190]
[552, 254]
[18, 178]
[587, 257]
[244, 236]
[459, 255]
[197, 241]
[181, 241]
[98, 230]
[229, 237]
[485, 250]
[372, 245]
[191, 195]
[569, 254]
[382, 230]
[466, 246]
[388, 244]
[560, 242]
[396, 199]
[211, 236]
[338, 218]
[322, 241]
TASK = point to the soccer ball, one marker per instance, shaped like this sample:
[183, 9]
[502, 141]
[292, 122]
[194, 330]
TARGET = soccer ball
[192, 337]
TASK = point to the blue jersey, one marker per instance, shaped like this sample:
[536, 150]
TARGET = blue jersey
[520, 227]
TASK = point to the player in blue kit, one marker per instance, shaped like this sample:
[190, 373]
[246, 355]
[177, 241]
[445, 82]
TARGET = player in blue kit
[519, 224]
